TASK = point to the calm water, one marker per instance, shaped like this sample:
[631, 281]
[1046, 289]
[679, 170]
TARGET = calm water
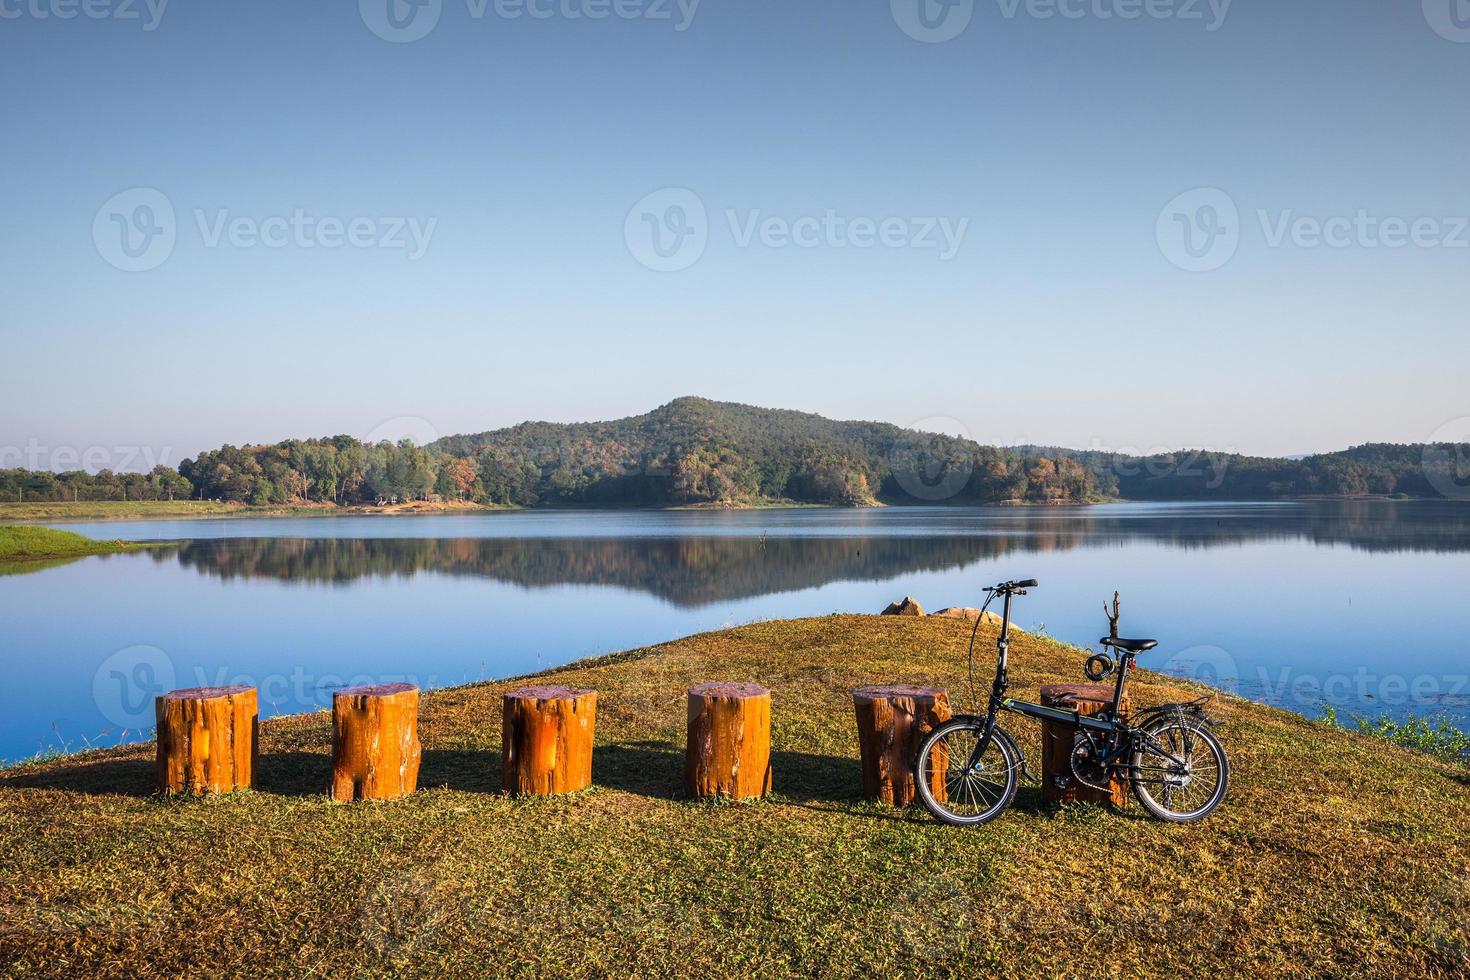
[1359, 604]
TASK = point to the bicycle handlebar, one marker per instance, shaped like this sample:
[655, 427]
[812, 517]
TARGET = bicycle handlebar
[1029, 583]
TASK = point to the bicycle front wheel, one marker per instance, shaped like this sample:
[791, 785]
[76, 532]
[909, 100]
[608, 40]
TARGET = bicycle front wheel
[958, 791]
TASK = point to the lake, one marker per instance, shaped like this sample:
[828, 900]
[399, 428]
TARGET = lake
[1357, 604]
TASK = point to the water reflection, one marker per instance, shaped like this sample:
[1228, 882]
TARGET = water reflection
[699, 570]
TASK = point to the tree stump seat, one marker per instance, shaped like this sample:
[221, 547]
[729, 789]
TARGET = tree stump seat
[1058, 785]
[546, 744]
[891, 721]
[728, 753]
[375, 744]
[208, 740]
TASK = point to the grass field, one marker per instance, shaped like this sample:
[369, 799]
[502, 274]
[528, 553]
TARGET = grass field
[1335, 853]
[42, 544]
[117, 510]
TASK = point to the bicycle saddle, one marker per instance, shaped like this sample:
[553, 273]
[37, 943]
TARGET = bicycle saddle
[1131, 646]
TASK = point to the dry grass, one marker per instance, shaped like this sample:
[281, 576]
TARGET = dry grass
[1334, 854]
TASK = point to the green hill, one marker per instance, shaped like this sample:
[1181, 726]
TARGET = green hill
[697, 452]
[693, 451]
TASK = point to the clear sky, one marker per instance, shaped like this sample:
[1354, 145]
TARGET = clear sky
[996, 217]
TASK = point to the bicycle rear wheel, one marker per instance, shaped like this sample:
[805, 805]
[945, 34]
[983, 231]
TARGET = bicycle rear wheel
[953, 790]
[1179, 772]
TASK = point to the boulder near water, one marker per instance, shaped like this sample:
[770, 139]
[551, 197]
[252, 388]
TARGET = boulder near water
[908, 607]
[970, 613]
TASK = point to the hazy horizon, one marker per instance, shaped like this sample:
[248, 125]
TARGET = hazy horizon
[1226, 225]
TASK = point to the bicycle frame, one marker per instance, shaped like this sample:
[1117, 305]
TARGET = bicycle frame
[1106, 723]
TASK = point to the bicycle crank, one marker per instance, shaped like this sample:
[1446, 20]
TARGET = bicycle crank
[1086, 768]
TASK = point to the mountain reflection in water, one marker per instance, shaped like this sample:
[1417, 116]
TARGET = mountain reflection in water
[699, 570]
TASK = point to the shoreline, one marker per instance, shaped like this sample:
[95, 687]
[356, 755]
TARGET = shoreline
[21, 547]
[32, 514]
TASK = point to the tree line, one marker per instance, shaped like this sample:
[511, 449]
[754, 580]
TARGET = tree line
[694, 451]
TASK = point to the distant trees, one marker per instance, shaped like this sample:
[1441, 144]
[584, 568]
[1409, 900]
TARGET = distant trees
[160, 483]
[693, 451]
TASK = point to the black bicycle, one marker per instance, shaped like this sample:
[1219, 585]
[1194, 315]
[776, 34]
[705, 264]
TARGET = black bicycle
[968, 768]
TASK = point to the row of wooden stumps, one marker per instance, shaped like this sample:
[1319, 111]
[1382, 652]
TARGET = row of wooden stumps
[208, 741]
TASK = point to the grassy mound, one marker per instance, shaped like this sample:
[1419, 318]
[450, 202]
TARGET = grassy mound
[1334, 853]
[26, 544]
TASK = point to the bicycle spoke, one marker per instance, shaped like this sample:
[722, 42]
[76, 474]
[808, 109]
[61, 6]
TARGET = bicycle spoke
[969, 794]
[1179, 770]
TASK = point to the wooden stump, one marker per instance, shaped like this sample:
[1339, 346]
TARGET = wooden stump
[1057, 739]
[375, 742]
[208, 740]
[546, 745]
[729, 748]
[891, 722]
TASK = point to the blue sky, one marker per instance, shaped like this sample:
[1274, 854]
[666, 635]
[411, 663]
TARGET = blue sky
[499, 171]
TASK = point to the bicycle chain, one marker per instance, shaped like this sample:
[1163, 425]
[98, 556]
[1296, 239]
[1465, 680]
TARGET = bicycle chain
[1078, 741]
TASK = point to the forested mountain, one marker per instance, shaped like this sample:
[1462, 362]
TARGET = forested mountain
[695, 451]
